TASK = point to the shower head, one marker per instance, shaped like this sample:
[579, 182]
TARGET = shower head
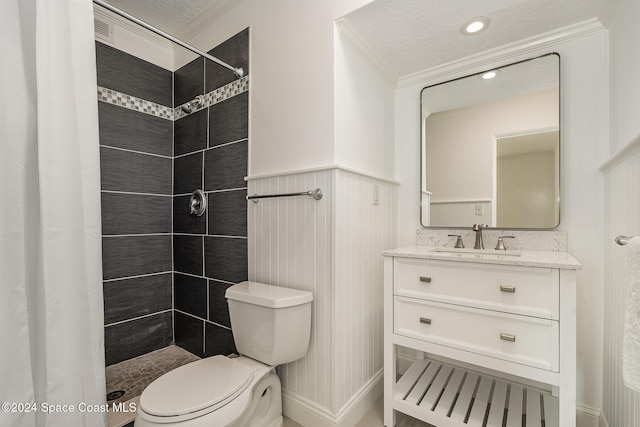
[192, 105]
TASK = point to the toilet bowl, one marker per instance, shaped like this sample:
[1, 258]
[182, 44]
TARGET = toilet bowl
[216, 391]
[271, 325]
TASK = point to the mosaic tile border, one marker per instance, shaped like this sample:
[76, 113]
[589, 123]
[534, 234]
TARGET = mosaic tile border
[225, 92]
[133, 103]
[147, 107]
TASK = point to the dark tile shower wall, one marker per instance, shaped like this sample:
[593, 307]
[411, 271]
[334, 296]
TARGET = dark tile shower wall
[210, 252]
[136, 154]
[165, 271]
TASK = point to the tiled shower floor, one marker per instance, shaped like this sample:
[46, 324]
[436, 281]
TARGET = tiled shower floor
[135, 374]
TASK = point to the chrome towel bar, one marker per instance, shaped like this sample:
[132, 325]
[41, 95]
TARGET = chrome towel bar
[622, 240]
[316, 194]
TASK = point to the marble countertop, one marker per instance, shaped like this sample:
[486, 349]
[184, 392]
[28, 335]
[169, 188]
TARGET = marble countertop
[527, 258]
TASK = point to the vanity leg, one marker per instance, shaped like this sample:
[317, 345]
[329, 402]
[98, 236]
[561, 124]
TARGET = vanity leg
[567, 409]
[389, 383]
[568, 326]
[390, 351]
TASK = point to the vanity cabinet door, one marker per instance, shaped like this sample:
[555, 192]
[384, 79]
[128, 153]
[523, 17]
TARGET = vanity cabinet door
[519, 290]
[527, 340]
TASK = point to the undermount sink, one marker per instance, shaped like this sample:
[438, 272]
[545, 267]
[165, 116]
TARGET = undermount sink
[483, 252]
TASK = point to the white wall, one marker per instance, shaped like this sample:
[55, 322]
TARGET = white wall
[363, 112]
[583, 136]
[621, 406]
[292, 80]
[621, 19]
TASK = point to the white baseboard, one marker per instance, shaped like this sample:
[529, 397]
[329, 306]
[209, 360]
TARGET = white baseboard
[310, 414]
[587, 416]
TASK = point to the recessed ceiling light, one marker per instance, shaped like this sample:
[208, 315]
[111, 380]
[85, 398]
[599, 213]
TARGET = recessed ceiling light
[489, 75]
[475, 26]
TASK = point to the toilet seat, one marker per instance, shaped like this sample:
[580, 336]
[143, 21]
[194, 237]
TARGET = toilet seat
[196, 389]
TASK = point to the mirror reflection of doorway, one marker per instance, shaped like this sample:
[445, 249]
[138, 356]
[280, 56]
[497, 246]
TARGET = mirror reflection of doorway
[526, 178]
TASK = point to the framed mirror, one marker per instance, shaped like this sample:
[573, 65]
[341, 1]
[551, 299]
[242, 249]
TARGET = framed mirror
[491, 148]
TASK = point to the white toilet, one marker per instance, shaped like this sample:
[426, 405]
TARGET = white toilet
[271, 325]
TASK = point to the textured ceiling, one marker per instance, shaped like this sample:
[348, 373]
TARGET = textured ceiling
[408, 35]
[414, 35]
[175, 17]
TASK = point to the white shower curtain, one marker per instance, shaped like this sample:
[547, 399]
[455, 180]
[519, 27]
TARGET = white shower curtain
[51, 313]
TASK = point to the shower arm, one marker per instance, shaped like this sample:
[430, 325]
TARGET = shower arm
[239, 72]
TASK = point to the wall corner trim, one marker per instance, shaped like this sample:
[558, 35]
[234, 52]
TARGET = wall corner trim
[587, 416]
[310, 414]
[602, 421]
[628, 150]
[319, 169]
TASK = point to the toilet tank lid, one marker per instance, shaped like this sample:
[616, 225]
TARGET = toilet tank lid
[267, 295]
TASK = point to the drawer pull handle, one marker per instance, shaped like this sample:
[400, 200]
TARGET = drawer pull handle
[507, 337]
[425, 279]
[425, 320]
[511, 289]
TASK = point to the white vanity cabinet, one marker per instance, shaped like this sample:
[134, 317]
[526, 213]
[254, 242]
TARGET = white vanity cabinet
[494, 337]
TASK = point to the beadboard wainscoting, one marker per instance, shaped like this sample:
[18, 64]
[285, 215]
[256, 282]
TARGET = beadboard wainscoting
[621, 406]
[331, 247]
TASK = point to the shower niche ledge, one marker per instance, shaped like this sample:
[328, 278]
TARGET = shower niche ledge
[494, 338]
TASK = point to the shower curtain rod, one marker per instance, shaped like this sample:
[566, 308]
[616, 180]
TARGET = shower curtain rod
[239, 72]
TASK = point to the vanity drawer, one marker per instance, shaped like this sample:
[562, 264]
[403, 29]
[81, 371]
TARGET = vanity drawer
[521, 339]
[529, 291]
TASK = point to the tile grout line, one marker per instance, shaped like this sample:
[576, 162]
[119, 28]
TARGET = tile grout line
[119, 322]
[173, 200]
[203, 183]
[203, 150]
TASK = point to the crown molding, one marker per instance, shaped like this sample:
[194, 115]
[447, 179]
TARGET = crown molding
[505, 52]
[357, 43]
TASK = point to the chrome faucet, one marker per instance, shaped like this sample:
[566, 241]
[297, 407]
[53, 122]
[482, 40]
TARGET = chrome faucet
[478, 229]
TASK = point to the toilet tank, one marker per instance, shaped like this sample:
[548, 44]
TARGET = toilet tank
[270, 324]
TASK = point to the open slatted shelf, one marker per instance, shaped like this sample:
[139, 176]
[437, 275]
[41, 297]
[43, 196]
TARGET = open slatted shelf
[449, 396]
